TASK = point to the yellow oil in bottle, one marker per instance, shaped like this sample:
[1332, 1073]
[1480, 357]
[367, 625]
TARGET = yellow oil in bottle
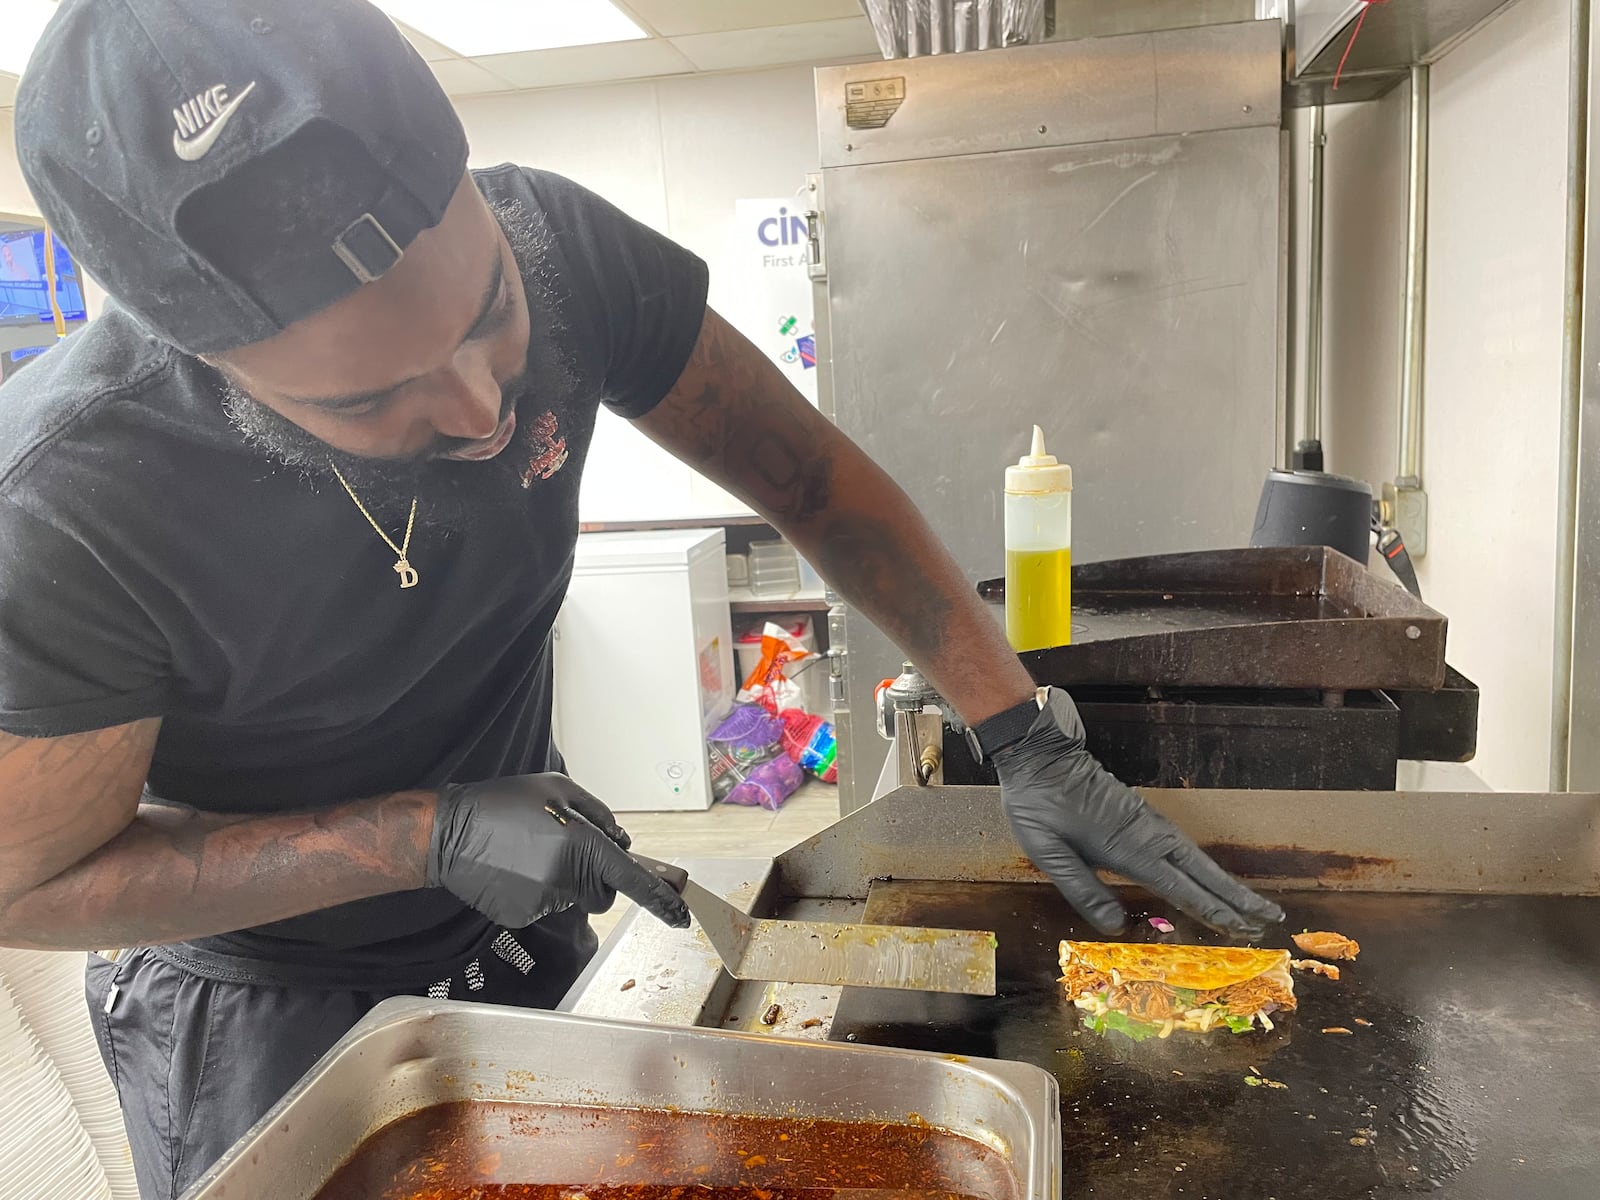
[1038, 598]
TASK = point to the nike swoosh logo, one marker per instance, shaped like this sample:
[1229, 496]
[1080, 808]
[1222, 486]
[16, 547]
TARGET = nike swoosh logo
[200, 144]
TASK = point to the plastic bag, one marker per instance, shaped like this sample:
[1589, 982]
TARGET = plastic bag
[726, 773]
[748, 739]
[768, 684]
[768, 784]
[810, 742]
[748, 733]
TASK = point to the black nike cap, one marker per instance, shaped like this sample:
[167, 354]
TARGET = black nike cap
[226, 168]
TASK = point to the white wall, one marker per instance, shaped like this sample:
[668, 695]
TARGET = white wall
[1496, 267]
[676, 154]
[14, 197]
[1496, 258]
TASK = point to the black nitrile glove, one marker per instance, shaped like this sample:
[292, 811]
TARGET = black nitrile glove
[1072, 816]
[519, 849]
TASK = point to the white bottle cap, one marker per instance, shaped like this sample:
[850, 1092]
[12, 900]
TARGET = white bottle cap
[1038, 471]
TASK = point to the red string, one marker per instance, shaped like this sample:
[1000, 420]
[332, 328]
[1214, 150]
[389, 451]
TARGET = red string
[1354, 34]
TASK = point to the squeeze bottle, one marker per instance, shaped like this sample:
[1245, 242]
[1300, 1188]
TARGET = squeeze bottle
[1038, 550]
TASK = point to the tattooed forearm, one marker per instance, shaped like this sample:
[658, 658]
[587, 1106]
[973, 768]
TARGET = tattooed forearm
[879, 553]
[177, 874]
[736, 419]
[83, 865]
[721, 420]
[61, 797]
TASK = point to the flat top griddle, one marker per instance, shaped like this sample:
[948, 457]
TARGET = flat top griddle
[1261, 617]
[1478, 1077]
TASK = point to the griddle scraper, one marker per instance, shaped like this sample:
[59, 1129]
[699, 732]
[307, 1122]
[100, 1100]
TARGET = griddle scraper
[835, 953]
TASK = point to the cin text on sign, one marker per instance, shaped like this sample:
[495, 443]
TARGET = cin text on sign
[785, 229]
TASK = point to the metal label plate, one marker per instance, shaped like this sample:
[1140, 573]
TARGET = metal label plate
[869, 103]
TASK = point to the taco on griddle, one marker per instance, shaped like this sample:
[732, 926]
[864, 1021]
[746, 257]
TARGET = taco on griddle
[1150, 990]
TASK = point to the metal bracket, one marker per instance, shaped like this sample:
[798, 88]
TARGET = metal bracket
[838, 651]
[816, 263]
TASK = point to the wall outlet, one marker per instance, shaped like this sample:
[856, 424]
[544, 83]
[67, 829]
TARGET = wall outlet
[1405, 507]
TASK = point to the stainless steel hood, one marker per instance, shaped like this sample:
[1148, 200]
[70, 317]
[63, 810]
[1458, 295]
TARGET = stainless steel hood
[1394, 37]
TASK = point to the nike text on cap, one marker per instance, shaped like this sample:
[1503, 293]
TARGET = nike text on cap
[130, 109]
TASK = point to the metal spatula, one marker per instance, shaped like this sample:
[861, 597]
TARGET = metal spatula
[829, 952]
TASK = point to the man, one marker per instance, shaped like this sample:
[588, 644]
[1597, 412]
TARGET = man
[283, 533]
[16, 268]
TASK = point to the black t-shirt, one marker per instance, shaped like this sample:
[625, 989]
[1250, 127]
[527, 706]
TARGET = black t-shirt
[152, 563]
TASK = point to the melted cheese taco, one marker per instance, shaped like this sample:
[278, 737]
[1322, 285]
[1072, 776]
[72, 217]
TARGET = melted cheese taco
[1150, 990]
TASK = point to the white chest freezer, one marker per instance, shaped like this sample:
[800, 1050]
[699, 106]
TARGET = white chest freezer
[644, 666]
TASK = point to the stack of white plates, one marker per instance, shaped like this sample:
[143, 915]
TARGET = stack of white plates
[61, 1132]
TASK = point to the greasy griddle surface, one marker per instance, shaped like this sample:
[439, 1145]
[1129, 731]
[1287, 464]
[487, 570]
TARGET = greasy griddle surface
[453, 1151]
[1479, 1076]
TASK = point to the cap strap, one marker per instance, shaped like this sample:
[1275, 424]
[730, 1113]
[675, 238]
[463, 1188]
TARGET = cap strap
[367, 249]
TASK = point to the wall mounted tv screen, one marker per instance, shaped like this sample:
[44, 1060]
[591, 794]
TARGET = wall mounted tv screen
[24, 294]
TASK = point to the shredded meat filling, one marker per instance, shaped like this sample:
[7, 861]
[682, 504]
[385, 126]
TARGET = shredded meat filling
[1251, 996]
[1146, 1001]
[1080, 980]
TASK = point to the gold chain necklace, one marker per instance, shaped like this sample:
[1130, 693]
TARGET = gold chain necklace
[402, 567]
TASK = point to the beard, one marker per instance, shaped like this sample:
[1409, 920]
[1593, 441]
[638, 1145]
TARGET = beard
[449, 493]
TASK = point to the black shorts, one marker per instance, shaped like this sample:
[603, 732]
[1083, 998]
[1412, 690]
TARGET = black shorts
[197, 1061]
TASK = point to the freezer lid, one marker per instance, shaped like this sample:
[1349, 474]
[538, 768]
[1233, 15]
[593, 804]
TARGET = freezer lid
[644, 548]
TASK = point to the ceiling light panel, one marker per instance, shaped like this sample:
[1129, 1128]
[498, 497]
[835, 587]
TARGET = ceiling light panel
[475, 27]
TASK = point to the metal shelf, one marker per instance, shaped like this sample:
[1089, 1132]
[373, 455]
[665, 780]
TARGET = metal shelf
[1394, 38]
[807, 600]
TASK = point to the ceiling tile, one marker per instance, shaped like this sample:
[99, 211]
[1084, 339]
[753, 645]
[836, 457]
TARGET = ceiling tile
[587, 64]
[426, 46]
[463, 78]
[679, 18]
[813, 42]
